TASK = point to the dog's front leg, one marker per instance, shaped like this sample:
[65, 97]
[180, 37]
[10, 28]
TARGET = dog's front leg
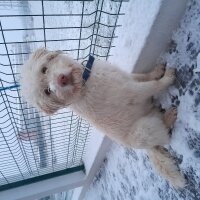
[142, 77]
[151, 88]
[156, 74]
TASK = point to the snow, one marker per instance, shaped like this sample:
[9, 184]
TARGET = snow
[197, 69]
[126, 173]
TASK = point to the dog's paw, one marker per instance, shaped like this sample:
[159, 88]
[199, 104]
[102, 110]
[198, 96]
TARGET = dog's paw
[170, 75]
[170, 116]
[158, 72]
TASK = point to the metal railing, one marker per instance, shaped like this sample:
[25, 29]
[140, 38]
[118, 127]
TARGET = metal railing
[35, 147]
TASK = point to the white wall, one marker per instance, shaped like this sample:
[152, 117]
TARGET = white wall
[166, 21]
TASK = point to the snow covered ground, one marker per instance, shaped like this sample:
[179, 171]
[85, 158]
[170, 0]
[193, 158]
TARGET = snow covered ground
[127, 174]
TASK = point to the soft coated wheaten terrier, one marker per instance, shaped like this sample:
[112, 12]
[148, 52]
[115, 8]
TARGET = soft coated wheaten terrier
[118, 103]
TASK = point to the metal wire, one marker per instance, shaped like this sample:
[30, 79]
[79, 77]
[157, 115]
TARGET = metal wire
[35, 147]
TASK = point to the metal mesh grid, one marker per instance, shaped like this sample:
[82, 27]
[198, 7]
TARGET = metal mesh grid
[32, 144]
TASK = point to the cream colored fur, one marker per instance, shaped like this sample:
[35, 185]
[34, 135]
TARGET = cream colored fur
[118, 103]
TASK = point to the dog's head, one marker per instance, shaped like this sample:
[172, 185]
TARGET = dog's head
[50, 80]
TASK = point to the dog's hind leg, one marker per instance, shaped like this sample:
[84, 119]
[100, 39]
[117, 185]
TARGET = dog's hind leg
[152, 133]
[166, 166]
[148, 131]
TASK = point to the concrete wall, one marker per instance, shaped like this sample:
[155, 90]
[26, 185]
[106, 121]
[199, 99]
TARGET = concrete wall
[95, 154]
[167, 20]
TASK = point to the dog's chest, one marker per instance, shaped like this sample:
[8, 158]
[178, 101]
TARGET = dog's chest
[110, 113]
[109, 101]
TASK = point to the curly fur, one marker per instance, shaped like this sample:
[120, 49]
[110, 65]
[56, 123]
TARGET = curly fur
[118, 103]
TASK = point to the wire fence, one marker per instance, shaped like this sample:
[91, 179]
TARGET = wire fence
[33, 146]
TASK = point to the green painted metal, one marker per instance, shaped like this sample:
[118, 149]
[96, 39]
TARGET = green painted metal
[41, 178]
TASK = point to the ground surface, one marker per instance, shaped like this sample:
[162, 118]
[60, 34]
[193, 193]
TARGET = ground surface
[127, 174]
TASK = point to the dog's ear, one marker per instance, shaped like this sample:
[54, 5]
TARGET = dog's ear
[39, 53]
[52, 54]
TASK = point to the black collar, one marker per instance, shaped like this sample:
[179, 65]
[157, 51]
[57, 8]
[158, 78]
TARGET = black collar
[88, 68]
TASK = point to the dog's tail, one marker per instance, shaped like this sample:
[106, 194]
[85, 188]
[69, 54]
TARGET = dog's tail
[166, 166]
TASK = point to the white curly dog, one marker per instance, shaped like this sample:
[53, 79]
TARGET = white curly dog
[118, 103]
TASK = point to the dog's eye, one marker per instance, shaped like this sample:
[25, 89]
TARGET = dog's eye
[47, 91]
[44, 70]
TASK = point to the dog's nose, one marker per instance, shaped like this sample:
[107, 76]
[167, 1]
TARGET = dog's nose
[63, 80]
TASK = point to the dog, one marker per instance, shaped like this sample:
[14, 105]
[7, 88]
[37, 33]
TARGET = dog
[118, 103]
